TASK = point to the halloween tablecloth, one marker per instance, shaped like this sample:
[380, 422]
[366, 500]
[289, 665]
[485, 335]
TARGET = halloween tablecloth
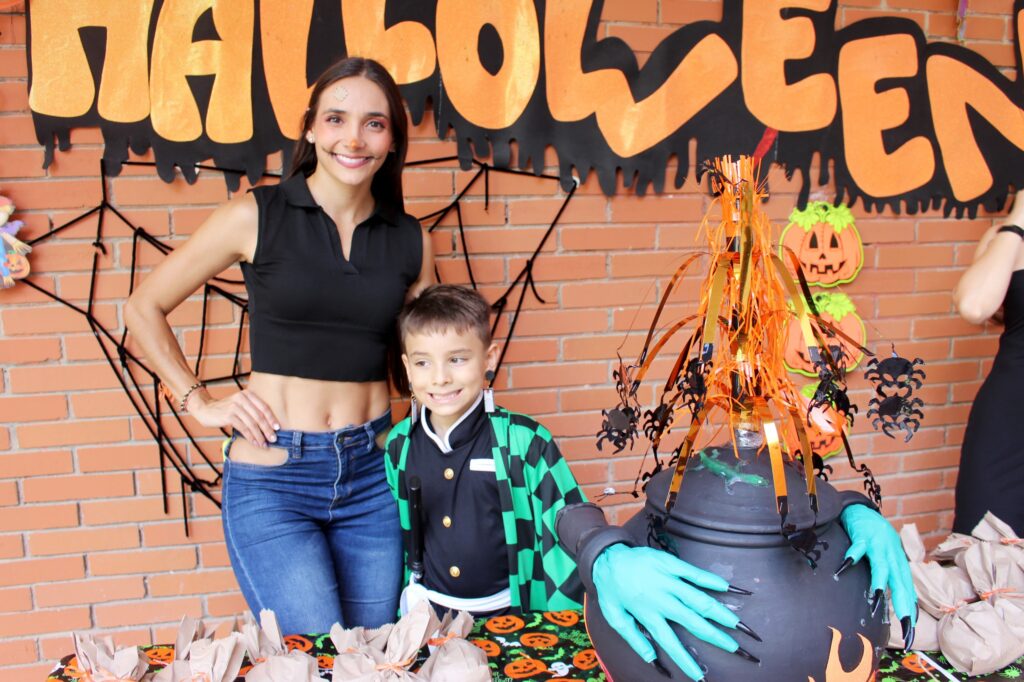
[542, 646]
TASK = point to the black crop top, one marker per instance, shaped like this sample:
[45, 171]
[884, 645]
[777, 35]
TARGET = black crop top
[314, 314]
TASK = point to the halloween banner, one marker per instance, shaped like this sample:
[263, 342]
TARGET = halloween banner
[902, 122]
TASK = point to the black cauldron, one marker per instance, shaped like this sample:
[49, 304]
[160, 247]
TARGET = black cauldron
[814, 626]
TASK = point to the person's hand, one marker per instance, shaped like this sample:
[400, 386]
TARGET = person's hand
[243, 411]
[641, 586]
[873, 536]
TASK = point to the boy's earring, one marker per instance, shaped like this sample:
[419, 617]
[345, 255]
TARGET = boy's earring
[489, 392]
[414, 410]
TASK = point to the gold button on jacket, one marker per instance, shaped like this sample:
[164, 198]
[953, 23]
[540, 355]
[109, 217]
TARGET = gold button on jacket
[454, 571]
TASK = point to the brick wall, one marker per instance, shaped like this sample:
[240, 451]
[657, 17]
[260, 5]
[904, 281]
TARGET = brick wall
[84, 541]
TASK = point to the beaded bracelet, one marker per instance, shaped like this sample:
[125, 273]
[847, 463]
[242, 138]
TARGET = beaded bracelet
[1016, 229]
[184, 398]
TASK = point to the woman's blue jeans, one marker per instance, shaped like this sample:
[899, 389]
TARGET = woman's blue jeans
[316, 538]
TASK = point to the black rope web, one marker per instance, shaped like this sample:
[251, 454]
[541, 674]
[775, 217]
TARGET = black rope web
[145, 395]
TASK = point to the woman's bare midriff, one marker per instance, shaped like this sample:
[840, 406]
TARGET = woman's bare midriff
[311, 405]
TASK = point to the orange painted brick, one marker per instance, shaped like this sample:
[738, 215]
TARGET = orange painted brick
[580, 209]
[976, 346]
[214, 556]
[11, 547]
[16, 651]
[553, 268]
[18, 163]
[109, 286]
[533, 403]
[573, 424]
[72, 433]
[639, 38]
[37, 622]
[999, 54]
[601, 347]
[918, 255]
[29, 351]
[453, 270]
[33, 408]
[852, 16]
[554, 323]
[645, 11]
[532, 350]
[942, 326]
[38, 516]
[152, 191]
[54, 318]
[90, 591]
[136, 509]
[147, 612]
[226, 605]
[18, 130]
[78, 161]
[630, 208]
[146, 561]
[689, 11]
[597, 238]
[427, 182]
[604, 294]
[116, 457]
[202, 582]
[15, 599]
[52, 193]
[82, 540]
[29, 673]
[22, 465]
[101, 404]
[564, 374]
[8, 494]
[506, 240]
[927, 502]
[23, 294]
[13, 64]
[35, 571]
[936, 280]
[915, 304]
[173, 533]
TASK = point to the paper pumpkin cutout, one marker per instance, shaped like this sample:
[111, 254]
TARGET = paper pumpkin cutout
[826, 242]
[837, 309]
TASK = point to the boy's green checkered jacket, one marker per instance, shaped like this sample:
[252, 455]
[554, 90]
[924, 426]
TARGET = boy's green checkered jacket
[534, 482]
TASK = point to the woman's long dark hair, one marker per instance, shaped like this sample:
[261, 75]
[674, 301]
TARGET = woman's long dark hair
[386, 186]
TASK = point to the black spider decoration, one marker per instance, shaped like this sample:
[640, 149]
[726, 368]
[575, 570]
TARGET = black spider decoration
[893, 404]
[821, 470]
[896, 412]
[895, 372]
[656, 421]
[806, 542]
[619, 427]
[830, 392]
[693, 385]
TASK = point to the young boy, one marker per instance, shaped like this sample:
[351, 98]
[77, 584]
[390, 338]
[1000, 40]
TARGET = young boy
[492, 480]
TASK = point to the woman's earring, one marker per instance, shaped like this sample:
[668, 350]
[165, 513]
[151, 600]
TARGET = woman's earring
[414, 410]
[489, 392]
[309, 138]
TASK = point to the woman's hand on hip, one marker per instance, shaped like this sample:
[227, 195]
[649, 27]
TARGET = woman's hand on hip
[243, 411]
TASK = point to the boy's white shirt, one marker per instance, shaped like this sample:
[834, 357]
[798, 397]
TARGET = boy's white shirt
[442, 443]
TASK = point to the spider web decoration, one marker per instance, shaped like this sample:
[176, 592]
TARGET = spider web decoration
[145, 396]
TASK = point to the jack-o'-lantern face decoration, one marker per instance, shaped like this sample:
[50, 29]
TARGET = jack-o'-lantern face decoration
[160, 655]
[490, 648]
[325, 662]
[298, 642]
[525, 667]
[504, 624]
[565, 619]
[585, 660]
[838, 310]
[538, 640]
[18, 266]
[826, 242]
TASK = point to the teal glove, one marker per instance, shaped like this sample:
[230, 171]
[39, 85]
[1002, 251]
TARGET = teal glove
[640, 586]
[871, 535]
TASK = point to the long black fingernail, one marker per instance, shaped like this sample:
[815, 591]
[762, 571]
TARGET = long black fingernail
[740, 651]
[739, 590]
[847, 562]
[745, 629]
[876, 601]
[908, 632]
[660, 668]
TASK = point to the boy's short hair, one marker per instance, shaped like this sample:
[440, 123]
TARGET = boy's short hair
[441, 307]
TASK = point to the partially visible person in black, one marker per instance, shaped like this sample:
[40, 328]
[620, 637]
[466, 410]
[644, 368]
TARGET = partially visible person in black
[991, 474]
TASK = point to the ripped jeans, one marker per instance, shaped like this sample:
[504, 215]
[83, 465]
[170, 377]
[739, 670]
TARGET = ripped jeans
[316, 538]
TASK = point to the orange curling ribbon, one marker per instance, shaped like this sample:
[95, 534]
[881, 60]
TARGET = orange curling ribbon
[1010, 541]
[438, 641]
[396, 667]
[1005, 591]
[959, 604]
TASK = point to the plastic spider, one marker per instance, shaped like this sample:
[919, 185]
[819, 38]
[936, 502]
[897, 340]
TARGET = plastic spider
[830, 392]
[896, 412]
[693, 384]
[895, 372]
[656, 421]
[619, 427]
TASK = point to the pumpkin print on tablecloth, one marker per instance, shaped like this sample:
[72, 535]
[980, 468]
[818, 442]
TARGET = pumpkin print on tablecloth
[821, 431]
[825, 241]
[837, 309]
[585, 660]
[325, 662]
[565, 619]
[298, 642]
[525, 667]
[504, 624]
[538, 640]
[490, 647]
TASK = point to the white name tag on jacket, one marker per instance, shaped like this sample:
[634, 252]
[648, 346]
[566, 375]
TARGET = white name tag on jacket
[482, 464]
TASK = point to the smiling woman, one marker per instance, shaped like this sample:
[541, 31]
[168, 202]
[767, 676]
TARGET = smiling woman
[329, 256]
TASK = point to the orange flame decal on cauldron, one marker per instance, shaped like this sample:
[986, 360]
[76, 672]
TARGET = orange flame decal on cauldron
[865, 670]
